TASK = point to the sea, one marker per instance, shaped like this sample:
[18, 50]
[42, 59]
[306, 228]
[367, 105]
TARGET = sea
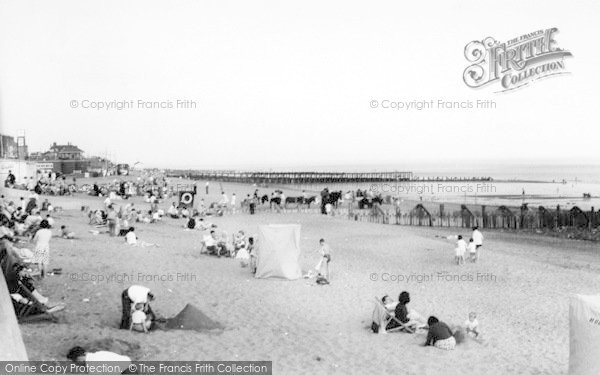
[512, 184]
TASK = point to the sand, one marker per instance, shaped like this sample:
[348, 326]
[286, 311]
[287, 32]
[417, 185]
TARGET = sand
[519, 290]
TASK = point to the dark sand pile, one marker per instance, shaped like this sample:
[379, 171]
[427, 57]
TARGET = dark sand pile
[192, 318]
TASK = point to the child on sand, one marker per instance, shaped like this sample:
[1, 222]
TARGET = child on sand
[472, 325]
[472, 249]
[139, 319]
[461, 248]
[66, 233]
[253, 254]
[130, 237]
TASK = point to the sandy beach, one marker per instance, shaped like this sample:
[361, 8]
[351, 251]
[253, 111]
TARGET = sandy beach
[519, 289]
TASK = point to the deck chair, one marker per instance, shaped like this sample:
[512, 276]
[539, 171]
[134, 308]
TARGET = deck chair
[382, 316]
[33, 310]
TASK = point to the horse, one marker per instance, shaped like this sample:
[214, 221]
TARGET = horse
[275, 201]
[333, 198]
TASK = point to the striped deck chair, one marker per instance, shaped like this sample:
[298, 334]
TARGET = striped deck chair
[33, 310]
[382, 316]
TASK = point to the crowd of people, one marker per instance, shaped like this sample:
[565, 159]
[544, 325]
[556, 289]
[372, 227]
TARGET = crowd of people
[21, 228]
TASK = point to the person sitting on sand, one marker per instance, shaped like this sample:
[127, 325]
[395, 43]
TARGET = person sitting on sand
[472, 325]
[410, 319]
[210, 242]
[66, 233]
[380, 317]
[191, 223]
[439, 335]
[130, 237]
[135, 294]
[185, 213]
[19, 279]
[173, 212]
[140, 321]
[82, 357]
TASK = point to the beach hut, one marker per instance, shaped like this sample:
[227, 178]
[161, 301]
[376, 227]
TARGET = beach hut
[11, 345]
[278, 252]
[584, 316]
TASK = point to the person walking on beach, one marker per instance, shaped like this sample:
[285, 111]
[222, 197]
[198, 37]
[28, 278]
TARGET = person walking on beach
[111, 218]
[325, 252]
[42, 247]
[206, 187]
[477, 237]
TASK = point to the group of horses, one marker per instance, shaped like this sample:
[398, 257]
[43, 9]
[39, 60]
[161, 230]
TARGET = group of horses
[334, 198]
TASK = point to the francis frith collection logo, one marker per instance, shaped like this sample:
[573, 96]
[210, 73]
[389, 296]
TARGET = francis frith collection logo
[515, 63]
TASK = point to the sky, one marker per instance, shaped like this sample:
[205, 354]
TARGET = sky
[290, 85]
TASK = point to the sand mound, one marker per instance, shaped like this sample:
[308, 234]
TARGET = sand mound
[192, 318]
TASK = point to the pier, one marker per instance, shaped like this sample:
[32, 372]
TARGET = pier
[292, 177]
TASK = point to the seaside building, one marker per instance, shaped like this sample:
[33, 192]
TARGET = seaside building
[66, 159]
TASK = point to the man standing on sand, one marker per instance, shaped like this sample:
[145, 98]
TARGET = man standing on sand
[224, 199]
[233, 200]
[477, 237]
[206, 187]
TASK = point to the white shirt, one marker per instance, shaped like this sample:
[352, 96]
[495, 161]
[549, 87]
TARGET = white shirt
[477, 237]
[42, 239]
[471, 324]
[210, 241]
[131, 238]
[138, 317]
[472, 247]
[138, 294]
[461, 246]
[224, 199]
[233, 200]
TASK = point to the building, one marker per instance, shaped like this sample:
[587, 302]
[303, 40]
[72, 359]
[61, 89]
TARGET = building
[11, 148]
[63, 152]
[67, 159]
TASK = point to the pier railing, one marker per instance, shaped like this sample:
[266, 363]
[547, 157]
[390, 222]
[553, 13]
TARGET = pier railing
[292, 177]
